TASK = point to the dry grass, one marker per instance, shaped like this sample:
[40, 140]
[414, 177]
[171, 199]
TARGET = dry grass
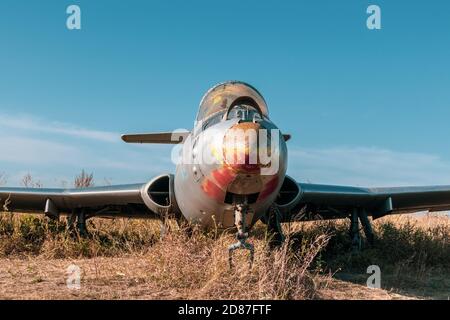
[128, 259]
[413, 253]
[177, 266]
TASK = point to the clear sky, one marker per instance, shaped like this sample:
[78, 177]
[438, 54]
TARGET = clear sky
[364, 107]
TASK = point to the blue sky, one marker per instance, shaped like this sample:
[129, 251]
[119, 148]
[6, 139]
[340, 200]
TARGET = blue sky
[364, 107]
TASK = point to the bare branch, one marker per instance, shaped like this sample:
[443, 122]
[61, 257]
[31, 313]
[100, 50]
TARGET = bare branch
[7, 203]
[64, 184]
[28, 182]
[2, 179]
[84, 180]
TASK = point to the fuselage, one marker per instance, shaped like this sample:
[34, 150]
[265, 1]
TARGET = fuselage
[235, 154]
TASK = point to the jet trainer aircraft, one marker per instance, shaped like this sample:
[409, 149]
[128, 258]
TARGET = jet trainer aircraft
[230, 172]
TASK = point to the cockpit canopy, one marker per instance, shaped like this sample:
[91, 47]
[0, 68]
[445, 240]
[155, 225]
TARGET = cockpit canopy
[221, 97]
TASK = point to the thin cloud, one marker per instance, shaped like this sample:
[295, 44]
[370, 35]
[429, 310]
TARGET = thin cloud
[367, 166]
[30, 151]
[31, 123]
[24, 148]
[35, 152]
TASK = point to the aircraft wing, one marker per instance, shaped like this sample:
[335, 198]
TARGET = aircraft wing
[330, 201]
[120, 200]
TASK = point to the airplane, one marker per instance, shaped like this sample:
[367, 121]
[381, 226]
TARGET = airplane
[230, 173]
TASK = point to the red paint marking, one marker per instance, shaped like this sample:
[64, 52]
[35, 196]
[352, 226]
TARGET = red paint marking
[212, 190]
[269, 188]
[224, 176]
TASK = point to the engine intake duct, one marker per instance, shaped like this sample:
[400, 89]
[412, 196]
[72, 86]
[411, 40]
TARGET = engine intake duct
[158, 195]
[289, 195]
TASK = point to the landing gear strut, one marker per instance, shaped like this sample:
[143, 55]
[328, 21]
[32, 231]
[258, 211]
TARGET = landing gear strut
[368, 231]
[360, 214]
[240, 213]
[78, 218]
[354, 231]
[274, 227]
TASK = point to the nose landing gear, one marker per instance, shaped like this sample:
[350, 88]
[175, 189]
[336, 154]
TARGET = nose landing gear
[240, 213]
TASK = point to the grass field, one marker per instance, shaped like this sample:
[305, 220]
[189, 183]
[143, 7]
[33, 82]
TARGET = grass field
[128, 259]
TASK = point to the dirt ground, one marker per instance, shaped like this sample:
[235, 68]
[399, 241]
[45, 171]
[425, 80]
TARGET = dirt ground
[128, 278]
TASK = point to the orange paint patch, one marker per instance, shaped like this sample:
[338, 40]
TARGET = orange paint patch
[212, 190]
[240, 149]
[224, 176]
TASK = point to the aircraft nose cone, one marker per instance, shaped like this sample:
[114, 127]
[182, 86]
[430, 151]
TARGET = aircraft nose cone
[241, 147]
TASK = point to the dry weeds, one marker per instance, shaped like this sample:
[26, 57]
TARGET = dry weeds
[128, 259]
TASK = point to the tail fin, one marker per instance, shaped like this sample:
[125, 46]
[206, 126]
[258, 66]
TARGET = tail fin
[165, 137]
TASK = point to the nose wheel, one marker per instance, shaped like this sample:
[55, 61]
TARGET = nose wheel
[240, 213]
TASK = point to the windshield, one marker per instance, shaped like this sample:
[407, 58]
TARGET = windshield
[244, 113]
[219, 98]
